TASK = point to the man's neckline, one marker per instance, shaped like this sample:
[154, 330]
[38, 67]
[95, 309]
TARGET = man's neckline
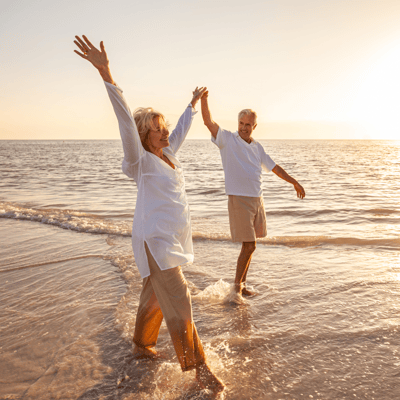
[252, 140]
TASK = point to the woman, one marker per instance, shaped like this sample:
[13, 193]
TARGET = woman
[161, 233]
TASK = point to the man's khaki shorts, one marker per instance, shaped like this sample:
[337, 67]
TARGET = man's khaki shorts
[246, 218]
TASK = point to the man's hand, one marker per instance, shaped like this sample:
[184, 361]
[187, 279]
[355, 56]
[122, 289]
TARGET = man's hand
[197, 95]
[98, 58]
[300, 191]
[279, 171]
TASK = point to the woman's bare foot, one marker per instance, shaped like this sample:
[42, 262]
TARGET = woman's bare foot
[142, 352]
[207, 380]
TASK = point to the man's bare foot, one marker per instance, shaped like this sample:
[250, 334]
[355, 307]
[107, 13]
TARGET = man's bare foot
[247, 292]
[142, 352]
[207, 380]
[241, 289]
[238, 287]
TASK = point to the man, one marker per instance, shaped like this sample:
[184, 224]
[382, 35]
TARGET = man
[243, 159]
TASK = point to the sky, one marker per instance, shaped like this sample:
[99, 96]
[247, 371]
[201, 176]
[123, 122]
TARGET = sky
[311, 69]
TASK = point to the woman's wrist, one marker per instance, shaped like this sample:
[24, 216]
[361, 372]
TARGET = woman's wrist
[105, 73]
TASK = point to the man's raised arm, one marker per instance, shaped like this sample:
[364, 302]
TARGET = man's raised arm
[205, 112]
[279, 171]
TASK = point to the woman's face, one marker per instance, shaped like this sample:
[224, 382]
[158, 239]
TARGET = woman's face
[158, 139]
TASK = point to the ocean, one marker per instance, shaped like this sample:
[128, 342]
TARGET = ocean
[325, 323]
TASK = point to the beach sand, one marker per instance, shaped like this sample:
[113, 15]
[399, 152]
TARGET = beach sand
[323, 325]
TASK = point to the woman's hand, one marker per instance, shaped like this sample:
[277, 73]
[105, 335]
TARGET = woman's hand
[97, 58]
[197, 94]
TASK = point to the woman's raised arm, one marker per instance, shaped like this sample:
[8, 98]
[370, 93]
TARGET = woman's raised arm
[178, 135]
[98, 58]
[132, 145]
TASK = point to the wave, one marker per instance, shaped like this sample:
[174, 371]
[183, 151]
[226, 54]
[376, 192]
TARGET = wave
[313, 241]
[383, 211]
[377, 212]
[307, 241]
[66, 219]
[53, 262]
[90, 223]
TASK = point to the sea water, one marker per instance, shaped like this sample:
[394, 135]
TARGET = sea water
[324, 323]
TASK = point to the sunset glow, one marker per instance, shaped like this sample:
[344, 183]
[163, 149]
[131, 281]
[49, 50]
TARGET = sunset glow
[312, 69]
[200, 261]
[377, 101]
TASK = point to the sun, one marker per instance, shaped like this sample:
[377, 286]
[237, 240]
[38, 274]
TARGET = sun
[377, 100]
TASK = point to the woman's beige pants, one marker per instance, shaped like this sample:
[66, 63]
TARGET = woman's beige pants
[165, 294]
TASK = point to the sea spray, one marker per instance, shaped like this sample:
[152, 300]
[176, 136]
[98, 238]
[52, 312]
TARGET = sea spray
[220, 292]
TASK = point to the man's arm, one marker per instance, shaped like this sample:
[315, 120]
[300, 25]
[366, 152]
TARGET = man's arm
[205, 112]
[279, 171]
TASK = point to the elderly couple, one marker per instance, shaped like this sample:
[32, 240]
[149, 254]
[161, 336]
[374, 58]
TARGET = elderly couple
[161, 233]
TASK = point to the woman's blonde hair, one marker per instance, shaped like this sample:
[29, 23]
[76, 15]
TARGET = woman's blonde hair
[144, 119]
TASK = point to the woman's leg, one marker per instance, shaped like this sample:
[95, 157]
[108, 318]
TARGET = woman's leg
[173, 296]
[170, 288]
[149, 317]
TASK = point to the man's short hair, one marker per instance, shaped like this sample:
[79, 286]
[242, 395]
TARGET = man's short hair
[248, 111]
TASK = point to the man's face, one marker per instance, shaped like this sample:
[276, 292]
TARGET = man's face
[246, 126]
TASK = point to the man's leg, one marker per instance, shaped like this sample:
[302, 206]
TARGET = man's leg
[243, 264]
[260, 228]
[245, 291]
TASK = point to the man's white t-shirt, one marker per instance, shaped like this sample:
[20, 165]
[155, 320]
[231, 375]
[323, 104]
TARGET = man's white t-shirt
[243, 163]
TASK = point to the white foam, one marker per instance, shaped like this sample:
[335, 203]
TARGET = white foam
[220, 292]
[170, 383]
[66, 219]
[203, 229]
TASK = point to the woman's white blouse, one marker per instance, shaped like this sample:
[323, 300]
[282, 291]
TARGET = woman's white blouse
[161, 218]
